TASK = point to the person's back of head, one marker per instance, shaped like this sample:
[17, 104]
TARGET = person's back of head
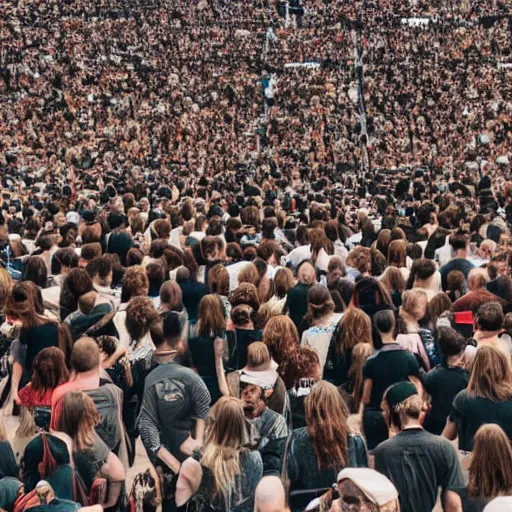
[490, 317]
[458, 242]
[85, 356]
[35, 270]
[270, 495]
[477, 279]
[306, 274]
[167, 332]
[90, 251]
[384, 322]
[451, 342]
[489, 470]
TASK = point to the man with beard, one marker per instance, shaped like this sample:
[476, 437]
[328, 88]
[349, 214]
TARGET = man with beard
[263, 424]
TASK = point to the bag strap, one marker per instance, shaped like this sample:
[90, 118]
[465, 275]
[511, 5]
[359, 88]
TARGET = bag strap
[47, 466]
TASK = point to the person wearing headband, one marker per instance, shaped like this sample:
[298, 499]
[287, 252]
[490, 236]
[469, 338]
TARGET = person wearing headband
[417, 462]
[263, 424]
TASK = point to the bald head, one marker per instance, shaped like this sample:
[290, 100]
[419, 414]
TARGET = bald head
[85, 355]
[270, 496]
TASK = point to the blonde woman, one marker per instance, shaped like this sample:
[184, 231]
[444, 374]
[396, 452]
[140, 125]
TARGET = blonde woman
[223, 474]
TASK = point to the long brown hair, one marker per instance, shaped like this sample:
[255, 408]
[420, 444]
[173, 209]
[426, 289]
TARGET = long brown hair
[78, 419]
[281, 337]
[355, 327]
[218, 280]
[23, 304]
[212, 316]
[361, 352]
[397, 252]
[491, 376]
[223, 444]
[49, 369]
[490, 473]
[319, 241]
[326, 420]
[393, 280]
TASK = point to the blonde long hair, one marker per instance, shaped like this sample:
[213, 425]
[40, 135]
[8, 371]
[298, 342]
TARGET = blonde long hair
[224, 439]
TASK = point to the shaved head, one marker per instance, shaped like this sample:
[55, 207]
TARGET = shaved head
[270, 495]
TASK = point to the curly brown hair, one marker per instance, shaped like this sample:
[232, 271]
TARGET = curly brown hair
[140, 316]
[135, 283]
[246, 293]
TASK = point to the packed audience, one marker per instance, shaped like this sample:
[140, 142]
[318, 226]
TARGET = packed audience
[263, 248]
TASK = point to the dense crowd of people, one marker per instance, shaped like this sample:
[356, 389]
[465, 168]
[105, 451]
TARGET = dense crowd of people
[263, 246]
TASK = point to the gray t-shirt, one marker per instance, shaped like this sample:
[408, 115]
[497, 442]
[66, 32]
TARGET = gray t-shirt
[418, 463]
[174, 398]
[265, 428]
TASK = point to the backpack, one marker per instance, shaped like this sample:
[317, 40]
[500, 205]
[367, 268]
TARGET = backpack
[13, 265]
[46, 469]
[107, 427]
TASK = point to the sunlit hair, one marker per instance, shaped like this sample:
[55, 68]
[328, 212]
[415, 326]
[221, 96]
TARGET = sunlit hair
[249, 274]
[212, 317]
[5, 287]
[477, 278]
[283, 281]
[258, 354]
[27, 426]
[490, 469]
[361, 352]
[306, 274]
[326, 420]
[218, 280]
[393, 280]
[398, 416]
[491, 376]
[302, 363]
[223, 445]
[411, 298]
[360, 258]
[78, 419]
[355, 327]
[50, 369]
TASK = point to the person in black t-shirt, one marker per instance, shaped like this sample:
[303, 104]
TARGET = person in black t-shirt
[417, 462]
[445, 381]
[389, 365]
[459, 245]
[487, 399]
